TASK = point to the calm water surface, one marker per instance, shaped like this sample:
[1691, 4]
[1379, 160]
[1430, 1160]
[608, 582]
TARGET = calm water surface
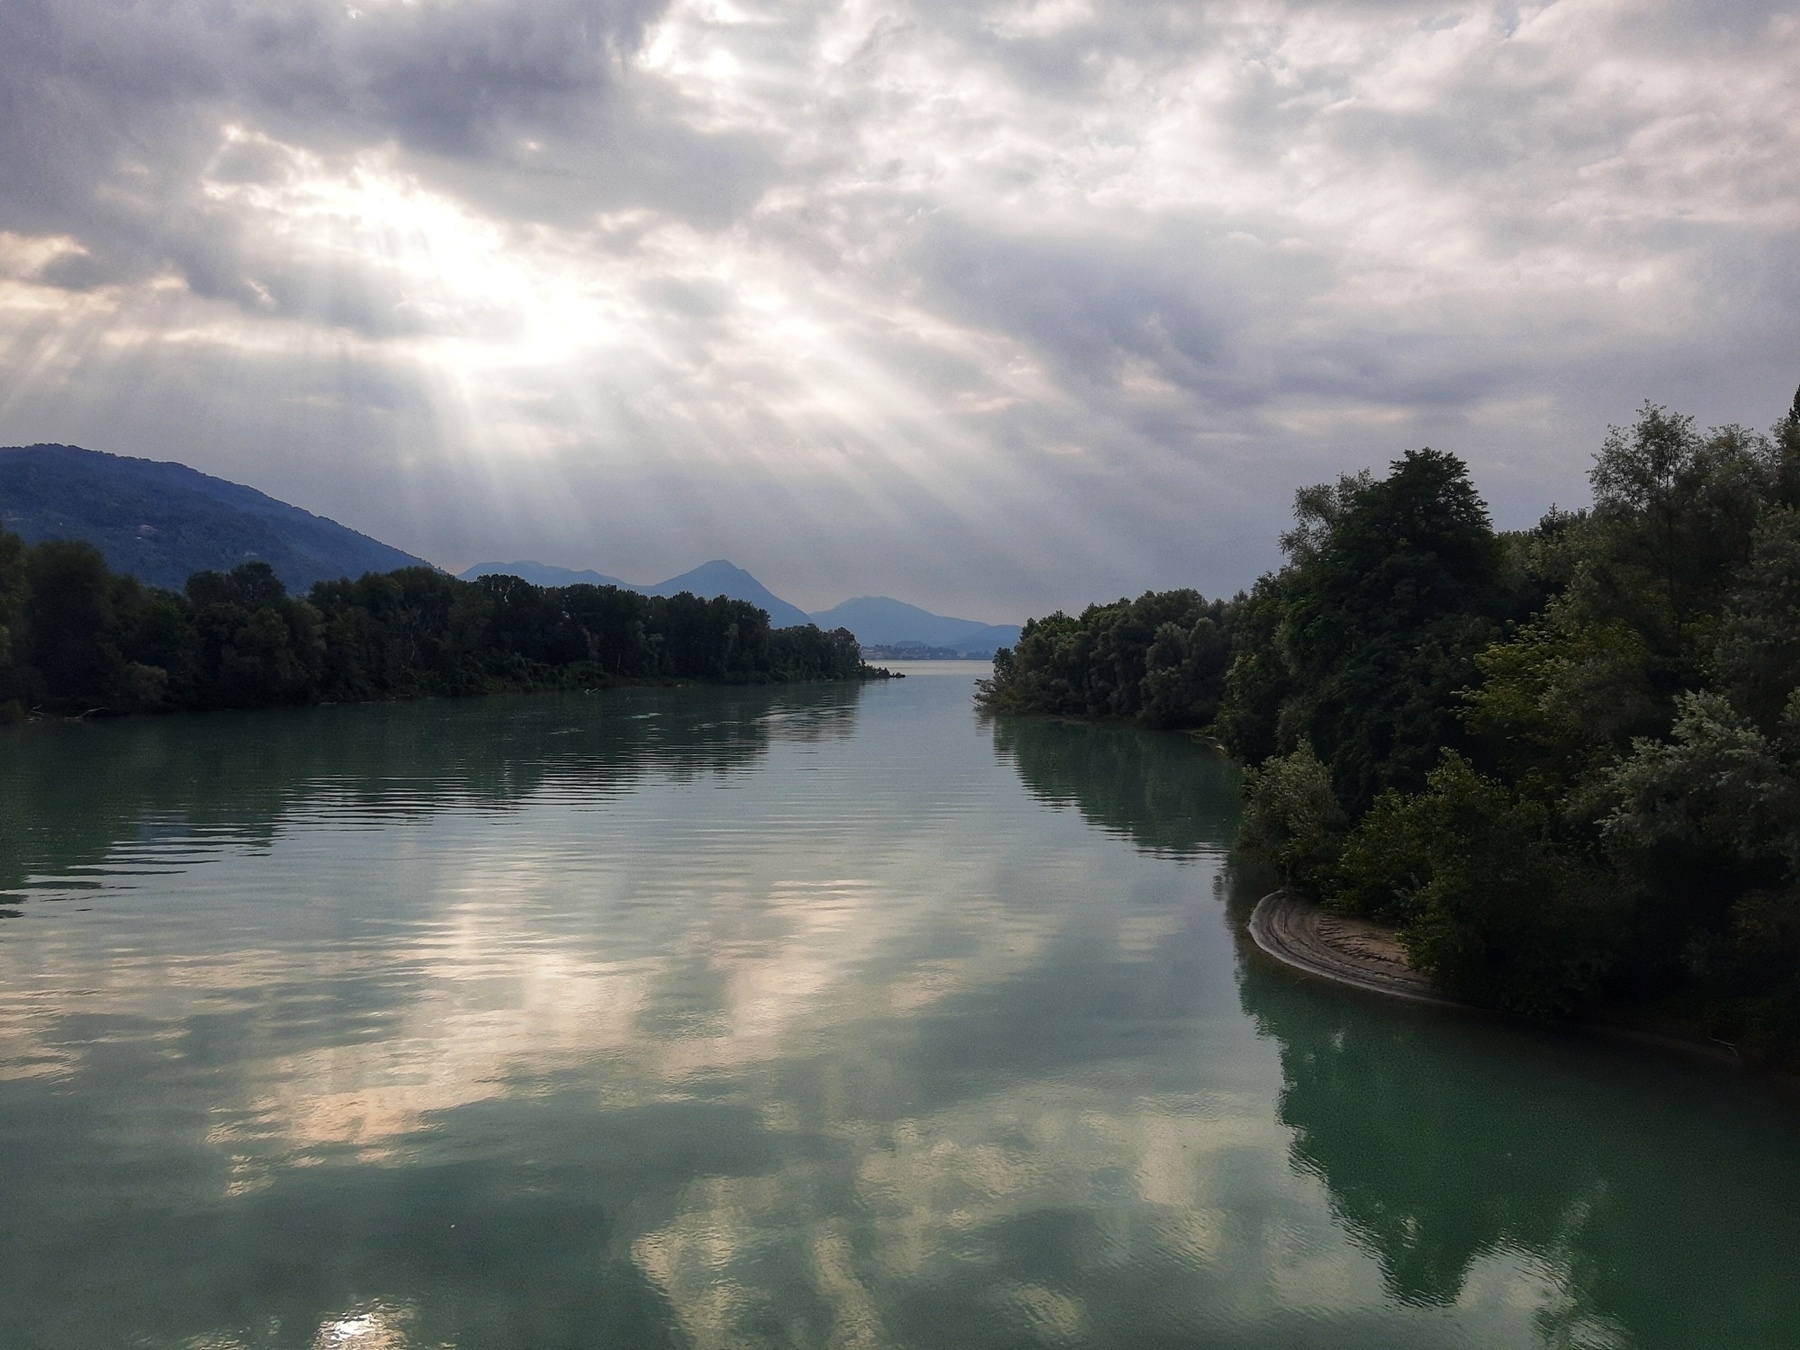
[826, 1017]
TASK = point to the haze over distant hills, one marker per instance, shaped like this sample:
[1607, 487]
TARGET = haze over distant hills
[717, 577]
[543, 574]
[162, 522]
[877, 620]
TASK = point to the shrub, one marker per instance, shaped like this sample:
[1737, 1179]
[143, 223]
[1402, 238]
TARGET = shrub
[1292, 820]
[1493, 908]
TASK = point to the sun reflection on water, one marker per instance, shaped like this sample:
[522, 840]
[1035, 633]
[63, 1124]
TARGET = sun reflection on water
[373, 1326]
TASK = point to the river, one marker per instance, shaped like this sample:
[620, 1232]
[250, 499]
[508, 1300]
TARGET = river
[826, 1016]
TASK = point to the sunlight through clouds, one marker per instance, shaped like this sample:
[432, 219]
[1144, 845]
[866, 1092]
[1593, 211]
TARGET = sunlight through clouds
[1003, 306]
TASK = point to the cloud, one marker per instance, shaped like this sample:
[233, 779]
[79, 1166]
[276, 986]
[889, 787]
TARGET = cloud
[996, 306]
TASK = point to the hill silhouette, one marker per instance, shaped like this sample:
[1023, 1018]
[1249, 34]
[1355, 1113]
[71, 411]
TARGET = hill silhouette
[717, 577]
[879, 621]
[163, 522]
[543, 574]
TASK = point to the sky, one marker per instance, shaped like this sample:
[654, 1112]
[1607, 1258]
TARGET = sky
[993, 307]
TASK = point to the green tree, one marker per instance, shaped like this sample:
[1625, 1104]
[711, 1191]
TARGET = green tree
[14, 588]
[70, 617]
[258, 647]
[1674, 513]
[1292, 820]
[1758, 653]
[1718, 786]
[1560, 697]
[1392, 587]
[1159, 660]
[1495, 910]
[1260, 680]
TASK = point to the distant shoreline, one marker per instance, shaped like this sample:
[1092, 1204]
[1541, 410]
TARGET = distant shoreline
[886, 652]
[44, 716]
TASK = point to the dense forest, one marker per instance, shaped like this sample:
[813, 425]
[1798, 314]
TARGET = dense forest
[75, 637]
[1564, 762]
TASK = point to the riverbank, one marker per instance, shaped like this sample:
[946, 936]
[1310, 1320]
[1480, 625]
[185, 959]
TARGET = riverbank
[1356, 954]
[1310, 938]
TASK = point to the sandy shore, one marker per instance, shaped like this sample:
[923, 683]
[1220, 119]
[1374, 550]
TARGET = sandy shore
[1306, 936]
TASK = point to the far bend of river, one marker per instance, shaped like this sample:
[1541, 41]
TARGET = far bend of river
[813, 1017]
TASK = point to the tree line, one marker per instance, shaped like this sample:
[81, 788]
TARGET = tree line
[76, 637]
[1564, 762]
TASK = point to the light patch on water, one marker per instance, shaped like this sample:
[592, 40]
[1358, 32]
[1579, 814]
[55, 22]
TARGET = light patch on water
[372, 1326]
[884, 1052]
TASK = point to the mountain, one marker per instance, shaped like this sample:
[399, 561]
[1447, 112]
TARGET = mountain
[719, 577]
[542, 574]
[879, 621]
[709, 579]
[163, 522]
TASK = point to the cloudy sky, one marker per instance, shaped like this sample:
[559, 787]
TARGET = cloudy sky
[995, 307]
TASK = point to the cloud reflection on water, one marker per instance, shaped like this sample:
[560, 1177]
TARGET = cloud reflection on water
[807, 1030]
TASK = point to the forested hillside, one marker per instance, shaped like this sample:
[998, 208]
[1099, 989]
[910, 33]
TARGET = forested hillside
[163, 522]
[76, 637]
[1565, 762]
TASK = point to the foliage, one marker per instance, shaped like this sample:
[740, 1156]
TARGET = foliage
[1491, 905]
[1392, 586]
[1758, 653]
[13, 588]
[1674, 514]
[1258, 681]
[1718, 785]
[1633, 827]
[1564, 761]
[76, 638]
[1158, 660]
[1560, 696]
[1292, 820]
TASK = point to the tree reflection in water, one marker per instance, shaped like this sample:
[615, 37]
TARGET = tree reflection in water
[71, 793]
[1442, 1141]
[1166, 791]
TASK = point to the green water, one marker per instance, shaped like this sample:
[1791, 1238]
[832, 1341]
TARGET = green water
[824, 1017]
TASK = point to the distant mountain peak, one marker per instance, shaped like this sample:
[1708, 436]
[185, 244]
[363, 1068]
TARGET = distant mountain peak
[877, 620]
[882, 621]
[720, 576]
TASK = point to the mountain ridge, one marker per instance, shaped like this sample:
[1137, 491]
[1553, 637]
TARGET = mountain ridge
[542, 574]
[162, 521]
[877, 620]
[882, 621]
[720, 577]
[717, 577]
